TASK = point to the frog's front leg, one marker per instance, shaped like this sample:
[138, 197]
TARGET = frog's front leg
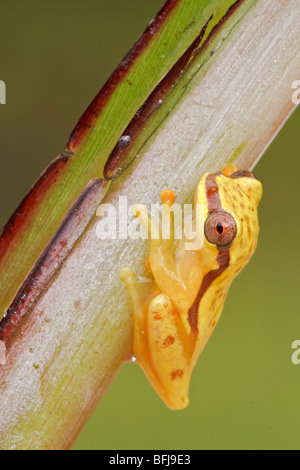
[161, 259]
[161, 345]
[180, 285]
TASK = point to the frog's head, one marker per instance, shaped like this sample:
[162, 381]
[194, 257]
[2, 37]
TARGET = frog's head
[230, 213]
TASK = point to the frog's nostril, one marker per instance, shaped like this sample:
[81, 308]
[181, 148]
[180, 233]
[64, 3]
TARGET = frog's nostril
[243, 174]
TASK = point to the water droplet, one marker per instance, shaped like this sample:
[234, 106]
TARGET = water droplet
[143, 279]
[133, 359]
[124, 141]
[159, 103]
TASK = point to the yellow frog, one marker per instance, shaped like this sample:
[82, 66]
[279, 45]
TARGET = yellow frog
[172, 326]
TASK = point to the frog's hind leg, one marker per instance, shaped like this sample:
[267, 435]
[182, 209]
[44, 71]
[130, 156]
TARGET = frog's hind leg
[160, 344]
[169, 352]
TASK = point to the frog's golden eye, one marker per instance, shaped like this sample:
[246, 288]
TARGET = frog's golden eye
[220, 228]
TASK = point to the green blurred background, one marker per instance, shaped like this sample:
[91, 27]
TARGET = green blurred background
[54, 57]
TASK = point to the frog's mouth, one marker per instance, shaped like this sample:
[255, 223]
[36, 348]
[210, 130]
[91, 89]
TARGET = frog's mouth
[253, 188]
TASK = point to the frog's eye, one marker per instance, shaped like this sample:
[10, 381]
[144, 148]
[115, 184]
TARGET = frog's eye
[220, 228]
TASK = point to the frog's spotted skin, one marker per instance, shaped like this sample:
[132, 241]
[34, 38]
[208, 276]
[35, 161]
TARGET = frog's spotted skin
[172, 328]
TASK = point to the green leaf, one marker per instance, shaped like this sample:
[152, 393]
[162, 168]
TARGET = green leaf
[38, 217]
